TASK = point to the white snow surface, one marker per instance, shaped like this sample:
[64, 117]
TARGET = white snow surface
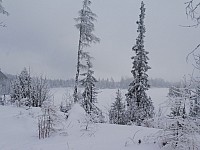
[19, 131]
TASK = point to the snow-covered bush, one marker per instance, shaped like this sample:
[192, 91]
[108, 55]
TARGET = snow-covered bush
[50, 121]
[180, 130]
[66, 103]
[34, 90]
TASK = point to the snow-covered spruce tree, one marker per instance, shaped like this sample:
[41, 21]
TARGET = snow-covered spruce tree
[90, 92]
[139, 105]
[25, 83]
[117, 111]
[16, 95]
[22, 87]
[180, 130]
[85, 26]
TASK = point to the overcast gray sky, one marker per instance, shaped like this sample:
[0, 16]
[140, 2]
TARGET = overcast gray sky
[41, 34]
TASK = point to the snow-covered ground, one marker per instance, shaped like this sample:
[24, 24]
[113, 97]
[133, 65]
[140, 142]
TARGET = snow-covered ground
[18, 128]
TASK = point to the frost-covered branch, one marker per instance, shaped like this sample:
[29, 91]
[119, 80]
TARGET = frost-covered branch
[4, 12]
[2, 9]
[192, 11]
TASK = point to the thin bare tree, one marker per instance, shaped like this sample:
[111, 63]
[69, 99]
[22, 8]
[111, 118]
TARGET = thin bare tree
[85, 26]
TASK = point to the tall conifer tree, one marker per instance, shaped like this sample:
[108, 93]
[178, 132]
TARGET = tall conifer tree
[85, 26]
[139, 105]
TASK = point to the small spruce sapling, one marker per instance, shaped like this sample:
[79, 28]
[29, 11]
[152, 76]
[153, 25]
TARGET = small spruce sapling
[117, 111]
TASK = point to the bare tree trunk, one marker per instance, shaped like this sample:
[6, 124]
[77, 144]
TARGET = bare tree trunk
[39, 130]
[78, 70]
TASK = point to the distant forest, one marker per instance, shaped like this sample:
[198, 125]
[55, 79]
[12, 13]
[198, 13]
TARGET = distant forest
[112, 84]
[106, 83]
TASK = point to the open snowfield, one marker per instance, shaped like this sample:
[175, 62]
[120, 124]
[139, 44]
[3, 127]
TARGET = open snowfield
[18, 128]
[107, 96]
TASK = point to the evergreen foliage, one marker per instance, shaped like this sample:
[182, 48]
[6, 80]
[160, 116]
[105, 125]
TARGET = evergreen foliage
[117, 111]
[139, 105]
[25, 83]
[16, 91]
[110, 83]
[89, 93]
[22, 88]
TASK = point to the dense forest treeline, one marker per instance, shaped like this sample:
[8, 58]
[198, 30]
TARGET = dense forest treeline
[111, 83]
[106, 83]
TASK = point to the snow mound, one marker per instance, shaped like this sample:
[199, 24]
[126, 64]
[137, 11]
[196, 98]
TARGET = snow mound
[76, 117]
